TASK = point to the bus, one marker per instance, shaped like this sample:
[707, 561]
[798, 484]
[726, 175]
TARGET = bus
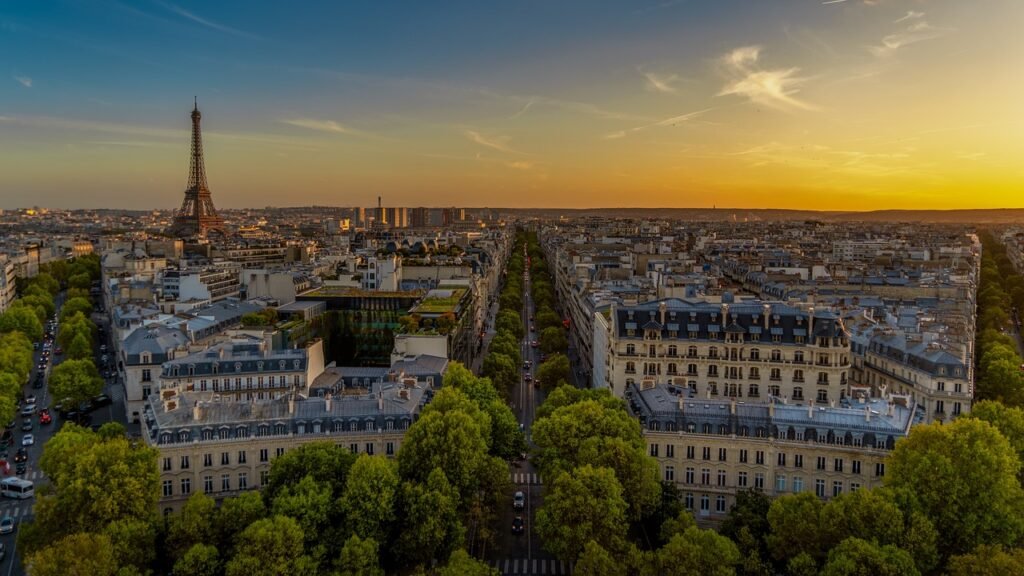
[16, 488]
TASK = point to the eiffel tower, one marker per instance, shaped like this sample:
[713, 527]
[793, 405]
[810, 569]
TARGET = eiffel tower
[197, 216]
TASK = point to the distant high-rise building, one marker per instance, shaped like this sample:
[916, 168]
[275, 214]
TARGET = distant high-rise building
[452, 215]
[419, 217]
[197, 216]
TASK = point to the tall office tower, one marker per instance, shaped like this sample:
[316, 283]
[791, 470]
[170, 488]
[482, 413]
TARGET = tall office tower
[197, 216]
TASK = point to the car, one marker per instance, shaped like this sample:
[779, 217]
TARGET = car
[35, 345]
[6, 439]
[519, 501]
[20, 468]
[28, 440]
[536, 382]
[518, 526]
[30, 399]
[533, 344]
[26, 425]
[28, 410]
[38, 383]
[6, 525]
[45, 418]
[58, 351]
[103, 347]
[527, 377]
[21, 455]
[98, 401]
[533, 328]
[531, 317]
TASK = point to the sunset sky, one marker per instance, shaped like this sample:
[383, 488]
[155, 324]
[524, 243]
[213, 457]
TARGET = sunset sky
[832, 105]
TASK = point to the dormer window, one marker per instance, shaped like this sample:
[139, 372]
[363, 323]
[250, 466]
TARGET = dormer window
[238, 366]
[145, 358]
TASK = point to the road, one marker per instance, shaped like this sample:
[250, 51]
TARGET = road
[21, 510]
[522, 553]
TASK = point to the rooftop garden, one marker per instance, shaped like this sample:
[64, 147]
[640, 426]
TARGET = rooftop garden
[359, 292]
[437, 303]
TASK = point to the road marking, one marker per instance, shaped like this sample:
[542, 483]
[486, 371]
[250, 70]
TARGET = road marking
[515, 566]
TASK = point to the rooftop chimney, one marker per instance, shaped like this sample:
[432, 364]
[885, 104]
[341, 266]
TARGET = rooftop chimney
[867, 413]
[291, 403]
[732, 407]
[197, 412]
[810, 324]
[380, 401]
[328, 400]
[810, 410]
[661, 312]
[767, 313]
[725, 313]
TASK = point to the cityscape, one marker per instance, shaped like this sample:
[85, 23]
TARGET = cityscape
[778, 333]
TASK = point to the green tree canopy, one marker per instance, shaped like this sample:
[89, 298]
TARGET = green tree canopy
[584, 505]
[431, 529]
[554, 370]
[325, 462]
[359, 557]
[193, 525]
[78, 554]
[271, 547]
[795, 521]
[23, 320]
[199, 560]
[987, 561]
[460, 563]
[75, 381]
[75, 306]
[698, 552]
[856, 557]
[371, 496]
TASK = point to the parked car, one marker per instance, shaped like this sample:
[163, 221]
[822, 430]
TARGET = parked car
[6, 525]
[58, 351]
[99, 401]
[26, 425]
[30, 399]
[28, 410]
[519, 501]
[28, 440]
[518, 526]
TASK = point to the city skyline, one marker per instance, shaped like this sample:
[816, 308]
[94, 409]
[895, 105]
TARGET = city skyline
[847, 105]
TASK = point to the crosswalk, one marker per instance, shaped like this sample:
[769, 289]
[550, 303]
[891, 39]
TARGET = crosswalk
[532, 567]
[17, 509]
[528, 478]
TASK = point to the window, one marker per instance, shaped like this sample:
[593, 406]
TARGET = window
[207, 460]
[722, 455]
[822, 395]
[225, 483]
[670, 474]
[353, 448]
[167, 464]
[856, 466]
[741, 479]
[760, 456]
[880, 469]
[369, 448]
[241, 456]
[168, 489]
[705, 476]
[389, 448]
[689, 475]
[759, 480]
[705, 504]
[798, 484]
[755, 374]
[798, 375]
[706, 453]
[782, 458]
[243, 481]
[279, 452]
[721, 477]
[225, 459]
[780, 482]
[264, 455]
[688, 501]
[186, 486]
[720, 504]
[208, 484]
[147, 376]
[743, 456]
[854, 486]
[755, 354]
[838, 465]
[798, 393]
[837, 488]
[631, 367]
[264, 477]
[654, 450]
[819, 488]
[775, 374]
[821, 463]
[184, 463]
[689, 452]
[798, 460]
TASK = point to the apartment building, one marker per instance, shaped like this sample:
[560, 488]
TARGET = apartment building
[206, 285]
[8, 285]
[749, 350]
[713, 448]
[225, 448]
[142, 354]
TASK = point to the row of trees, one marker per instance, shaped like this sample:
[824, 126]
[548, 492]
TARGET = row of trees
[552, 340]
[323, 509]
[501, 364]
[76, 379]
[1000, 292]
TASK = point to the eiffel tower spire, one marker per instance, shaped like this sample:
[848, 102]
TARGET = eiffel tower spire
[197, 215]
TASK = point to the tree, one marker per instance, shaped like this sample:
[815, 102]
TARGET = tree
[586, 504]
[71, 327]
[80, 347]
[501, 369]
[553, 340]
[1009, 421]
[199, 560]
[81, 281]
[510, 320]
[193, 525]
[41, 303]
[370, 497]
[673, 526]
[460, 563]
[987, 561]
[963, 477]
[80, 554]
[546, 318]
[747, 522]
[409, 324]
[554, 370]
[698, 552]
[596, 561]
[271, 547]
[431, 529]
[75, 381]
[312, 505]
[325, 462]
[134, 542]
[75, 306]
[359, 557]
[856, 557]
[795, 521]
[46, 282]
[23, 320]
[235, 515]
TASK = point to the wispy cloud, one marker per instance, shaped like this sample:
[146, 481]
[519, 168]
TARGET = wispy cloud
[773, 88]
[832, 2]
[319, 125]
[520, 165]
[529, 104]
[671, 121]
[659, 82]
[204, 21]
[24, 81]
[499, 143]
[918, 30]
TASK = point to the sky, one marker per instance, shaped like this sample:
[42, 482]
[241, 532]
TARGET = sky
[802, 104]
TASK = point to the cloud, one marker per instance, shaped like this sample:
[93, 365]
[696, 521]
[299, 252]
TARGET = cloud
[319, 125]
[832, 2]
[498, 143]
[659, 83]
[917, 30]
[529, 104]
[24, 81]
[520, 165]
[203, 21]
[671, 121]
[773, 88]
